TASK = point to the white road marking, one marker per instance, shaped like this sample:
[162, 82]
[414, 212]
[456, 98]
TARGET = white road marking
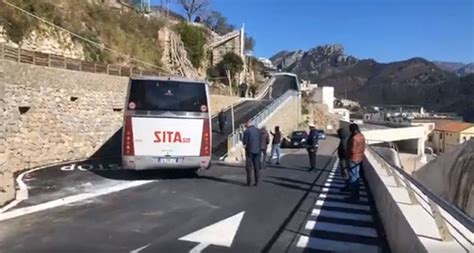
[140, 249]
[221, 233]
[339, 228]
[336, 196]
[71, 199]
[332, 184]
[343, 205]
[336, 190]
[335, 246]
[341, 215]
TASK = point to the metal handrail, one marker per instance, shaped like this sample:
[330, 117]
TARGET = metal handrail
[453, 210]
[235, 137]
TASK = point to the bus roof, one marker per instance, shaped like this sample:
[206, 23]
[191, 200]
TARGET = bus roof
[168, 78]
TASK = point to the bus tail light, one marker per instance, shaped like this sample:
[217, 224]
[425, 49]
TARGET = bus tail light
[206, 139]
[128, 148]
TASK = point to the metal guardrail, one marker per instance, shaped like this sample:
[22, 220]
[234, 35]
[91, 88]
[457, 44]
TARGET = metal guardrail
[57, 61]
[416, 192]
[237, 136]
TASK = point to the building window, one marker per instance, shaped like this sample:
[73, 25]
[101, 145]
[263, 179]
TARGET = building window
[430, 138]
[464, 139]
[440, 136]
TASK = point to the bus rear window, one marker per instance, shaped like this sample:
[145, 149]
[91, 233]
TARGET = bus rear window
[153, 95]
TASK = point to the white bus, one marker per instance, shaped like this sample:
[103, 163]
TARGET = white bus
[167, 124]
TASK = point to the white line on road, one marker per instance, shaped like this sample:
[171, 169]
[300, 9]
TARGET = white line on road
[199, 248]
[140, 249]
[335, 246]
[343, 205]
[340, 228]
[336, 196]
[69, 200]
[341, 215]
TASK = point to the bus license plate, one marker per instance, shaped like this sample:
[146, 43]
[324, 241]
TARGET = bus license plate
[168, 160]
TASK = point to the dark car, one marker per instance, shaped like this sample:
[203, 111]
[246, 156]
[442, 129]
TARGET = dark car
[297, 139]
[321, 135]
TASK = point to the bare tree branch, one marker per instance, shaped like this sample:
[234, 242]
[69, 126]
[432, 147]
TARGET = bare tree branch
[193, 7]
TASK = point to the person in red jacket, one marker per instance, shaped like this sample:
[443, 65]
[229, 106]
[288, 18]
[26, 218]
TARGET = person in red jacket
[354, 156]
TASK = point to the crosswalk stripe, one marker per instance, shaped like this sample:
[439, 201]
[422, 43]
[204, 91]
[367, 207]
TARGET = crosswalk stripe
[336, 190]
[332, 184]
[341, 215]
[335, 196]
[339, 228]
[334, 246]
[343, 205]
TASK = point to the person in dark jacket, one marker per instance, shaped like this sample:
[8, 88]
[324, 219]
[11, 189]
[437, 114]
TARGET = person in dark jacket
[264, 142]
[253, 148]
[354, 156]
[312, 145]
[222, 120]
[276, 145]
[243, 89]
[341, 151]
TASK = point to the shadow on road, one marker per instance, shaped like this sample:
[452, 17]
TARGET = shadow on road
[129, 175]
[112, 147]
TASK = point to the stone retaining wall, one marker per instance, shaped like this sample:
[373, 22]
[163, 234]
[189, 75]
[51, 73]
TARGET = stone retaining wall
[51, 115]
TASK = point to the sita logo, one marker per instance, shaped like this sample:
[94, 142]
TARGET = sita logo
[170, 137]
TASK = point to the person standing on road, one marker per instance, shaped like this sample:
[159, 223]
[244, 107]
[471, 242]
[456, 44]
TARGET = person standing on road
[354, 156]
[276, 142]
[222, 120]
[312, 145]
[253, 148]
[243, 89]
[264, 144]
[341, 152]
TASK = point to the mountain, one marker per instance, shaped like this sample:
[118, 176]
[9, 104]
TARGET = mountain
[465, 70]
[449, 66]
[413, 81]
[458, 68]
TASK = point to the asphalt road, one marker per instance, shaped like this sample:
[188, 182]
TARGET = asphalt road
[156, 215]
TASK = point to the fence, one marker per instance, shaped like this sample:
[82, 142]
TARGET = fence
[237, 136]
[56, 61]
[452, 223]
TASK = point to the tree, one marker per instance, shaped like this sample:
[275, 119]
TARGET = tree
[218, 23]
[249, 43]
[231, 64]
[194, 39]
[194, 7]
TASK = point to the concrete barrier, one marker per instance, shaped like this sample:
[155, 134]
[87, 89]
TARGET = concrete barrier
[410, 223]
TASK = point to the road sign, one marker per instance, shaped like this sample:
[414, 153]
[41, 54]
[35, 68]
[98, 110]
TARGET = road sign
[221, 233]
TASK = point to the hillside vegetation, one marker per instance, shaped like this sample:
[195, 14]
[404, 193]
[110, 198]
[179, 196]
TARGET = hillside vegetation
[127, 32]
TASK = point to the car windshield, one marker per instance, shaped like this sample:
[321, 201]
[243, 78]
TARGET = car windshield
[299, 134]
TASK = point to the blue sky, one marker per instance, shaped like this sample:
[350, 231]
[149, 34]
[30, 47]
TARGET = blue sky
[386, 30]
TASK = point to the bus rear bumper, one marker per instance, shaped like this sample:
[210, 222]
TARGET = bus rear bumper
[152, 163]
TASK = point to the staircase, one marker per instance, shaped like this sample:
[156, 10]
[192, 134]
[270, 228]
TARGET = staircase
[175, 56]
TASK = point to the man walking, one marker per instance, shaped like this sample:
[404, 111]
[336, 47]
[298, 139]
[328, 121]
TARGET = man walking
[222, 120]
[312, 145]
[354, 155]
[253, 148]
[264, 144]
[341, 152]
[276, 145]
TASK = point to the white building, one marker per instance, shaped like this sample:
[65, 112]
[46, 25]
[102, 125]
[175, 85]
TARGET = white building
[344, 113]
[308, 86]
[324, 95]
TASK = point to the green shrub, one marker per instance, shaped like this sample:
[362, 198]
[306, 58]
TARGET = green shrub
[194, 40]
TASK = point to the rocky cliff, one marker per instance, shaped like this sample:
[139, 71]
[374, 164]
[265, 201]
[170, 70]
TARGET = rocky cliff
[451, 176]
